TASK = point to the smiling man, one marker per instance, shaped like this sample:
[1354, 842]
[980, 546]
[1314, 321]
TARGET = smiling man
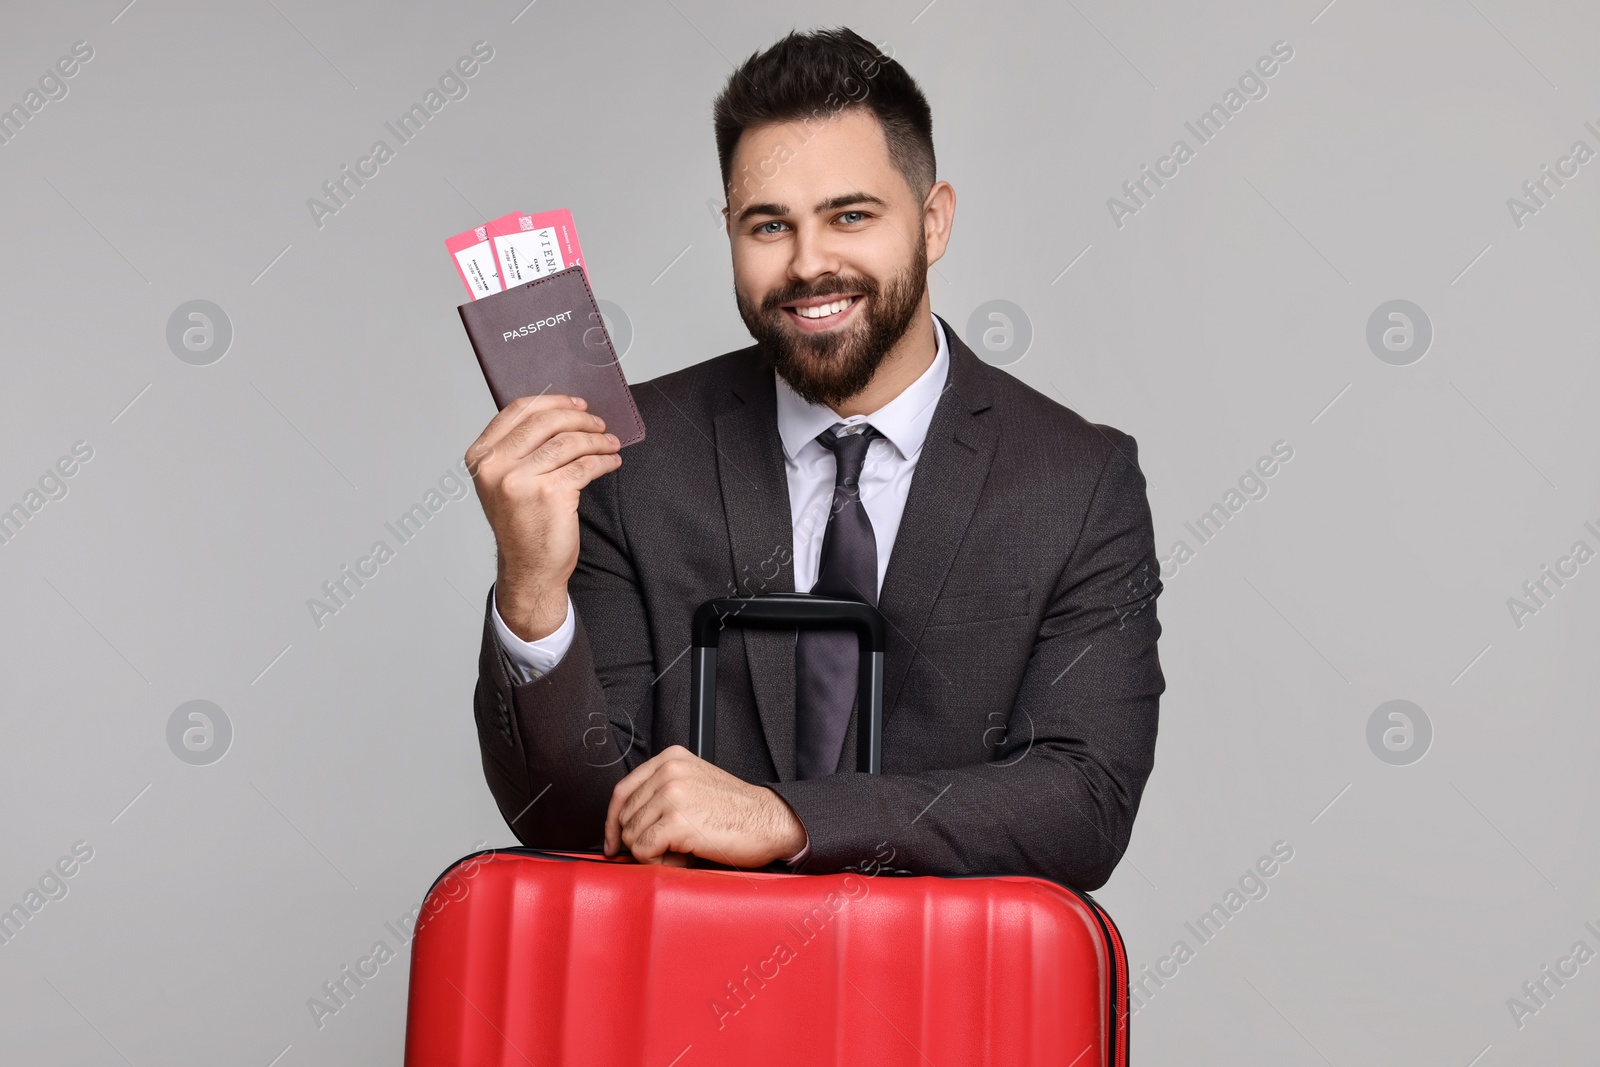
[860, 449]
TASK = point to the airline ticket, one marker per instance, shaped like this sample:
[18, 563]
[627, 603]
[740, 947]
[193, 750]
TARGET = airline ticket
[513, 249]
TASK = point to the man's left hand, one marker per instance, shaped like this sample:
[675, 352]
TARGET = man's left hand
[677, 803]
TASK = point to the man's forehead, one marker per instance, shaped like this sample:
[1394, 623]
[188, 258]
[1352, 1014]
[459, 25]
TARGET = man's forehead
[805, 162]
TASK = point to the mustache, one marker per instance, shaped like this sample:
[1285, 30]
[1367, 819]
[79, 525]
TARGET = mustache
[864, 286]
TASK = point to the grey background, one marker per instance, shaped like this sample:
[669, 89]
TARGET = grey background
[1230, 313]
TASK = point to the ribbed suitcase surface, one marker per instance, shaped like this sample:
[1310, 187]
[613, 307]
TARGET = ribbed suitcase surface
[524, 957]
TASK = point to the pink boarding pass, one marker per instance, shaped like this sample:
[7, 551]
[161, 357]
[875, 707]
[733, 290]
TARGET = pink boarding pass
[531, 246]
[474, 259]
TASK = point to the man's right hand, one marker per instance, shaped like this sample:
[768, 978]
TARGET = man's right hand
[528, 467]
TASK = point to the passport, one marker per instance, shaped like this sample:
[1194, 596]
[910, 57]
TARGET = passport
[547, 336]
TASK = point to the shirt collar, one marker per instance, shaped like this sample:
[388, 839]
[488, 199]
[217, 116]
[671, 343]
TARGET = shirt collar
[903, 421]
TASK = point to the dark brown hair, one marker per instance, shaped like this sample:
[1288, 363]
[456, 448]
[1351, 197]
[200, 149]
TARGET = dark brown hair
[813, 76]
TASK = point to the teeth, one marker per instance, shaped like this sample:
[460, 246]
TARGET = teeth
[824, 310]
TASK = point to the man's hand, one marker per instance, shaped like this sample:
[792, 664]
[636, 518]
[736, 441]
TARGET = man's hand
[676, 802]
[528, 467]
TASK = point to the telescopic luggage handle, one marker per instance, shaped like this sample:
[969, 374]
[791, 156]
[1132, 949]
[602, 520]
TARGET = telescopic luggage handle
[788, 611]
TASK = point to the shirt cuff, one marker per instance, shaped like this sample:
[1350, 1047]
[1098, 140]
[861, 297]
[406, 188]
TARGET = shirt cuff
[799, 857]
[529, 660]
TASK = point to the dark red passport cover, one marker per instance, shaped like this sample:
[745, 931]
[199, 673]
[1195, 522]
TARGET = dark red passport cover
[547, 336]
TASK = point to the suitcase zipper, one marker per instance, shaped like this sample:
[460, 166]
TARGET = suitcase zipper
[1119, 990]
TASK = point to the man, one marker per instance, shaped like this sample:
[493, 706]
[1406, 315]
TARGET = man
[859, 449]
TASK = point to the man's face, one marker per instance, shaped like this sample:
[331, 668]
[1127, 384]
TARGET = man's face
[830, 257]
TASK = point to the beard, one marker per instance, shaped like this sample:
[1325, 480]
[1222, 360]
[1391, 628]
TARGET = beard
[830, 368]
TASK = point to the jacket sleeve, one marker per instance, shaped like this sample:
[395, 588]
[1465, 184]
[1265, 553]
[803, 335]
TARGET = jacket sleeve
[1059, 797]
[554, 747]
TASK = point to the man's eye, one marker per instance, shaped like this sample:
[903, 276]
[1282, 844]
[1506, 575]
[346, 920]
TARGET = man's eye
[762, 228]
[846, 216]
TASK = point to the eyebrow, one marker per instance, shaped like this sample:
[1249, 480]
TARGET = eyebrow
[833, 203]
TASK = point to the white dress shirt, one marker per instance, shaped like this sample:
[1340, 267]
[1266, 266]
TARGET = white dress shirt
[885, 483]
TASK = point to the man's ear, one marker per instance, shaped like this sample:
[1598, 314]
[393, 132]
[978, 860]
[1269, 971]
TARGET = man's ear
[938, 218]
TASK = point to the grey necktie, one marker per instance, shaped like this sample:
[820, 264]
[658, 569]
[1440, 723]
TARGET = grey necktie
[825, 660]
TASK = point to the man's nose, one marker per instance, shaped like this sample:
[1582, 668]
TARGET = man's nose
[815, 255]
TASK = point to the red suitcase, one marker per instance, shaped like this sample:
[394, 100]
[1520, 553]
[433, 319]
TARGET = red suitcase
[529, 957]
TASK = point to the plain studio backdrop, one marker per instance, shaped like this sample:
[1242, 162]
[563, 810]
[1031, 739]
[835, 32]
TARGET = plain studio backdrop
[1443, 850]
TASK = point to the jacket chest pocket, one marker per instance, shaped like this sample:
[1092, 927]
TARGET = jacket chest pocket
[969, 609]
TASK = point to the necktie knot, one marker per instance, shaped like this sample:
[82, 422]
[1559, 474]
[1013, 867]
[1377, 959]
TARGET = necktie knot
[849, 452]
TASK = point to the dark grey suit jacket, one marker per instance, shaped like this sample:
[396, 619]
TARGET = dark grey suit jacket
[1021, 676]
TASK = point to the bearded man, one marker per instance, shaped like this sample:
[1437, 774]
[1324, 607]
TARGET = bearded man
[860, 449]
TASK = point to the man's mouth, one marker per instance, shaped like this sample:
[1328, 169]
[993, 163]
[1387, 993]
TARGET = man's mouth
[823, 312]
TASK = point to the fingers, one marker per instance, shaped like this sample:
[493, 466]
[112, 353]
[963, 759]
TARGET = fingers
[561, 450]
[633, 818]
[641, 800]
[654, 830]
[619, 796]
[664, 826]
[509, 416]
[526, 423]
[643, 829]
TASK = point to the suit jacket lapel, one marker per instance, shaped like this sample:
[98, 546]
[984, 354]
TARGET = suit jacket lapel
[755, 500]
[949, 478]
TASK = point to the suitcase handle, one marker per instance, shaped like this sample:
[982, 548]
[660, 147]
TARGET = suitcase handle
[787, 611]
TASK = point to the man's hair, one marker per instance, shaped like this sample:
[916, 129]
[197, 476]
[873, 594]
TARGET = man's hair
[812, 77]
